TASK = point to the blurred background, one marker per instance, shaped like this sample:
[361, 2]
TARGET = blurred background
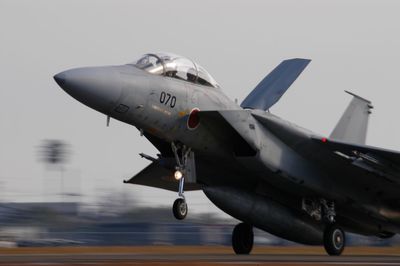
[62, 169]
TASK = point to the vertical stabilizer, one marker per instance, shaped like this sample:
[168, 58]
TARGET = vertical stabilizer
[352, 126]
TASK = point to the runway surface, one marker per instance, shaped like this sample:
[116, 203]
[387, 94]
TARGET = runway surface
[210, 255]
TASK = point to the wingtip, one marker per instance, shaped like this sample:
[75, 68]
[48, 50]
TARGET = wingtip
[359, 97]
[299, 59]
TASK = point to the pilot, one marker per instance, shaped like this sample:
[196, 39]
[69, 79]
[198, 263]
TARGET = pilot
[191, 76]
[171, 73]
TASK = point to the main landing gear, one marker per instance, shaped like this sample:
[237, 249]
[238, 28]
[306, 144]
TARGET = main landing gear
[334, 240]
[181, 153]
[242, 239]
[324, 211]
[334, 237]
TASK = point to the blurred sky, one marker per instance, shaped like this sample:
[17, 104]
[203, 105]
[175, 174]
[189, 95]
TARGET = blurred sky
[354, 46]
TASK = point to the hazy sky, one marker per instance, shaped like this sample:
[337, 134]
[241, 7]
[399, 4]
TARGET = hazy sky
[354, 46]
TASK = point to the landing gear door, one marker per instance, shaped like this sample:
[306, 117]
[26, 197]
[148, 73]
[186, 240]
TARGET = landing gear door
[190, 169]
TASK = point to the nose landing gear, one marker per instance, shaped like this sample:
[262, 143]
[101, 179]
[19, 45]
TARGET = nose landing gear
[181, 153]
[180, 208]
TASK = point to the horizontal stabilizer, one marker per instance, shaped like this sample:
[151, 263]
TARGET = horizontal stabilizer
[352, 126]
[275, 84]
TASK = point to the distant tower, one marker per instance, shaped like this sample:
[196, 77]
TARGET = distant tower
[54, 153]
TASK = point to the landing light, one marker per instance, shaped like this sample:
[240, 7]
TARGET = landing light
[178, 175]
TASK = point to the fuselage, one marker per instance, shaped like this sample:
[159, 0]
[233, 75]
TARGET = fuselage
[161, 105]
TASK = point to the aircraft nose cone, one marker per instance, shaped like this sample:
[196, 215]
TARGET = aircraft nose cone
[60, 79]
[96, 87]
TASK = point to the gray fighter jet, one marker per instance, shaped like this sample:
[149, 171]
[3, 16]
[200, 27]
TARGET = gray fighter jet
[260, 169]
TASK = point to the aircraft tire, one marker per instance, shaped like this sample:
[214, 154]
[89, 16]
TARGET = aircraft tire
[242, 239]
[334, 240]
[180, 209]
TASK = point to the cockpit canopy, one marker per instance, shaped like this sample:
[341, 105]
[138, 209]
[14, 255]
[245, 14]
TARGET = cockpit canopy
[176, 66]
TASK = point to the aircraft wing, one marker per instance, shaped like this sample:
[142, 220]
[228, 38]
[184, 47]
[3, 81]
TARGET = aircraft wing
[228, 127]
[158, 176]
[275, 84]
[363, 165]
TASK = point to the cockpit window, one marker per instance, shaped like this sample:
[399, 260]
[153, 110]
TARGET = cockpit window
[203, 77]
[150, 63]
[176, 66]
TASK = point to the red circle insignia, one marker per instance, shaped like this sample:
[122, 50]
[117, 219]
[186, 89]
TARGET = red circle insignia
[193, 119]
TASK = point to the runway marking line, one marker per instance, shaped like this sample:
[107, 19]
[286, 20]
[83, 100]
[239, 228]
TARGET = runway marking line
[259, 250]
[194, 256]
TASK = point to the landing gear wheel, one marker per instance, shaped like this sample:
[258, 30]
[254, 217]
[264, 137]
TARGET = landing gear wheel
[182, 154]
[180, 209]
[242, 238]
[334, 240]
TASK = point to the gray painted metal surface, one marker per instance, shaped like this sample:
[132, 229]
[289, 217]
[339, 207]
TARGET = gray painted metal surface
[275, 84]
[252, 152]
[352, 126]
[266, 214]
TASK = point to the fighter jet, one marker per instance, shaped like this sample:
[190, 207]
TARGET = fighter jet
[262, 170]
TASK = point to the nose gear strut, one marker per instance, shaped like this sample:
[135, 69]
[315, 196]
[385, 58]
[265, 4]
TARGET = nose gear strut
[181, 153]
